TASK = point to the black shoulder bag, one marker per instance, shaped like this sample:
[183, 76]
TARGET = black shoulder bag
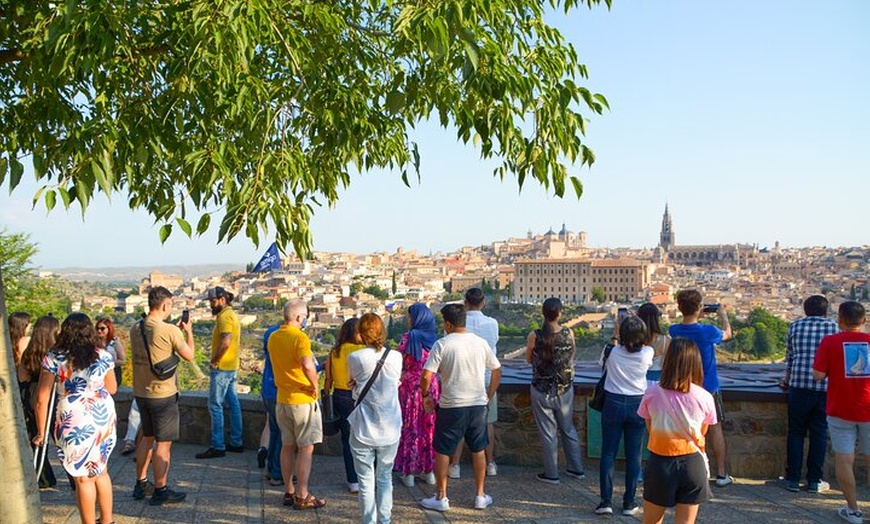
[597, 400]
[165, 369]
[331, 421]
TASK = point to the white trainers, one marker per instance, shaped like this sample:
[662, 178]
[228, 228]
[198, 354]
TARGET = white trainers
[491, 469]
[851, 516]
[453, 471]
[482, 502]
[353, 487]
[436, 504]
[723, 481]
[408, 480]
[429, 478]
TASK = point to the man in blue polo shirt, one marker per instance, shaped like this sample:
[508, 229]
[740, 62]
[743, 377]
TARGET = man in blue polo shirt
[706, 336]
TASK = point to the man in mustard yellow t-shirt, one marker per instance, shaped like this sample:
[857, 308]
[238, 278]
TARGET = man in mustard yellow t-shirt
[296, 410]
[222, 378]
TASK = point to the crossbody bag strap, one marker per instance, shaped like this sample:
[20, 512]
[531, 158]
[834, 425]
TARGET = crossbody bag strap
[372, 378]
[145, 342]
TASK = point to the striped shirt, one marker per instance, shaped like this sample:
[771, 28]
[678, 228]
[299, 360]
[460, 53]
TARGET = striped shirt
[803, 339]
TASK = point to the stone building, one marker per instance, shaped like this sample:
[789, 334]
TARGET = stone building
[742, 255]
[573, 279]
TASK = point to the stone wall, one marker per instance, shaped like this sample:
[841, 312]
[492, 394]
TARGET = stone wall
[755, 430]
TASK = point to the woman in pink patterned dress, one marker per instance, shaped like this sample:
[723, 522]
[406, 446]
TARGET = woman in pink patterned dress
[416, 455]
[85, 422]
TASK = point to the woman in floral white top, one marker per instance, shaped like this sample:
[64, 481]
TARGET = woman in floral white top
[85, 420]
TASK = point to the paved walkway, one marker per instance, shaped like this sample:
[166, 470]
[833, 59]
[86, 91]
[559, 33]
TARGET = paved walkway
[232, 490]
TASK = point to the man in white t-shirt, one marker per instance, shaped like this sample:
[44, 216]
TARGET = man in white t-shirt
[486, 328]
[461, 359]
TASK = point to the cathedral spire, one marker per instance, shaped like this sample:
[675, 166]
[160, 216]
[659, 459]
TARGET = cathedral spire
[666, 237]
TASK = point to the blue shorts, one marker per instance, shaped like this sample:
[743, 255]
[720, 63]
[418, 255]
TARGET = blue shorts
[454, 424]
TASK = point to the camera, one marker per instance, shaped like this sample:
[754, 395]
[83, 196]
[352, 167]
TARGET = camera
[710, 308]
[185, 316]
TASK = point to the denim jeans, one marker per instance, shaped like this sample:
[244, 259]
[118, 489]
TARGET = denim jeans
[222, 388]
[273, 459]
[806, 414]
[619, 419]
[374, 468]
[554, 415]
[342, 402]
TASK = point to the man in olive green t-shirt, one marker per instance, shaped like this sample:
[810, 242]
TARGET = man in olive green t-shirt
[157, 399]
[222, 378]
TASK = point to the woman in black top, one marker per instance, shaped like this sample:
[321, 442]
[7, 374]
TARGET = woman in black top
[550, 351]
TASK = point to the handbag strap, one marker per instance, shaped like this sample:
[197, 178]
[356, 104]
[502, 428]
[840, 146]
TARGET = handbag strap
[371, 379]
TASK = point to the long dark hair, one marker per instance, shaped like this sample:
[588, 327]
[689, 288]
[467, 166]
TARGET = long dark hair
[551, 309]
[41, 341]
[78, 341]
[347, 334]
[650, 315]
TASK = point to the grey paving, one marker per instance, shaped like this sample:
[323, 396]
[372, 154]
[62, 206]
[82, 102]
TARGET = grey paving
[233, 490]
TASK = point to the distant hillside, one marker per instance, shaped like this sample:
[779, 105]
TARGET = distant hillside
[133, 275]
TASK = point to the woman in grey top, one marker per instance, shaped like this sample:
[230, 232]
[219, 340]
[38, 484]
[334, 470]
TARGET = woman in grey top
[550, 351]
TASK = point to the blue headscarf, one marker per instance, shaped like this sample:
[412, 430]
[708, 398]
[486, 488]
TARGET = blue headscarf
[422, 333]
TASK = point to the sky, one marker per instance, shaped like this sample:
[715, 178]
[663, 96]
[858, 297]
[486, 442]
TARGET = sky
[750, 120]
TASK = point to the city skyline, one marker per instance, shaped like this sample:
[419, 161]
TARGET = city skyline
[749, 120]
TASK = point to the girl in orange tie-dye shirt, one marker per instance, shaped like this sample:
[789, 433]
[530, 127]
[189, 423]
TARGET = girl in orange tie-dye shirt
[677, 411]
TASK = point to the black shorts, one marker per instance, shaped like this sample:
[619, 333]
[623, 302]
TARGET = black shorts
[159, 417]
[453, 424]
[720, 410]
[668, 481]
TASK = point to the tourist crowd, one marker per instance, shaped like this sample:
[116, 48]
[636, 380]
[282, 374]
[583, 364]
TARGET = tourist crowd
[409, 411]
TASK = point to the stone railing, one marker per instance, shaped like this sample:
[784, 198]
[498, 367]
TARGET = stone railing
[755, 425]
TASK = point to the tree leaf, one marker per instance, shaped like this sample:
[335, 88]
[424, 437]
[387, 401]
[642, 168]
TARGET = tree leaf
[3, 167]
[165, 231]
[578, 186]
[184, 225]
[50, 200]
[17, 169]
[202, 225]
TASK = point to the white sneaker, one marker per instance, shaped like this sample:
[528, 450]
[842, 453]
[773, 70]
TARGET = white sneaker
[428, 478]
[482, 502]
[491, 469]
[436, 504]
[353, 487]
[453, 471]
[724, 481]
[852, 516]
[408, 480]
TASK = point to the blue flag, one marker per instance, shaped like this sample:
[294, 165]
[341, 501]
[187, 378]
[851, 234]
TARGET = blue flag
[271, 260]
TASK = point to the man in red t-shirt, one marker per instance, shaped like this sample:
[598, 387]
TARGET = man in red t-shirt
[844, 359]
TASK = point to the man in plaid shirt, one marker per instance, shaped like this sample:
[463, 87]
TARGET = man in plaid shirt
[807, 397]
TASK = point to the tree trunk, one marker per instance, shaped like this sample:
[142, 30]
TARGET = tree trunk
[17, 478]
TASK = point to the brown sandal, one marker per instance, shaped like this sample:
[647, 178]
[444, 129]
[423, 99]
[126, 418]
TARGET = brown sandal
[309, 502]
[289, 499]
